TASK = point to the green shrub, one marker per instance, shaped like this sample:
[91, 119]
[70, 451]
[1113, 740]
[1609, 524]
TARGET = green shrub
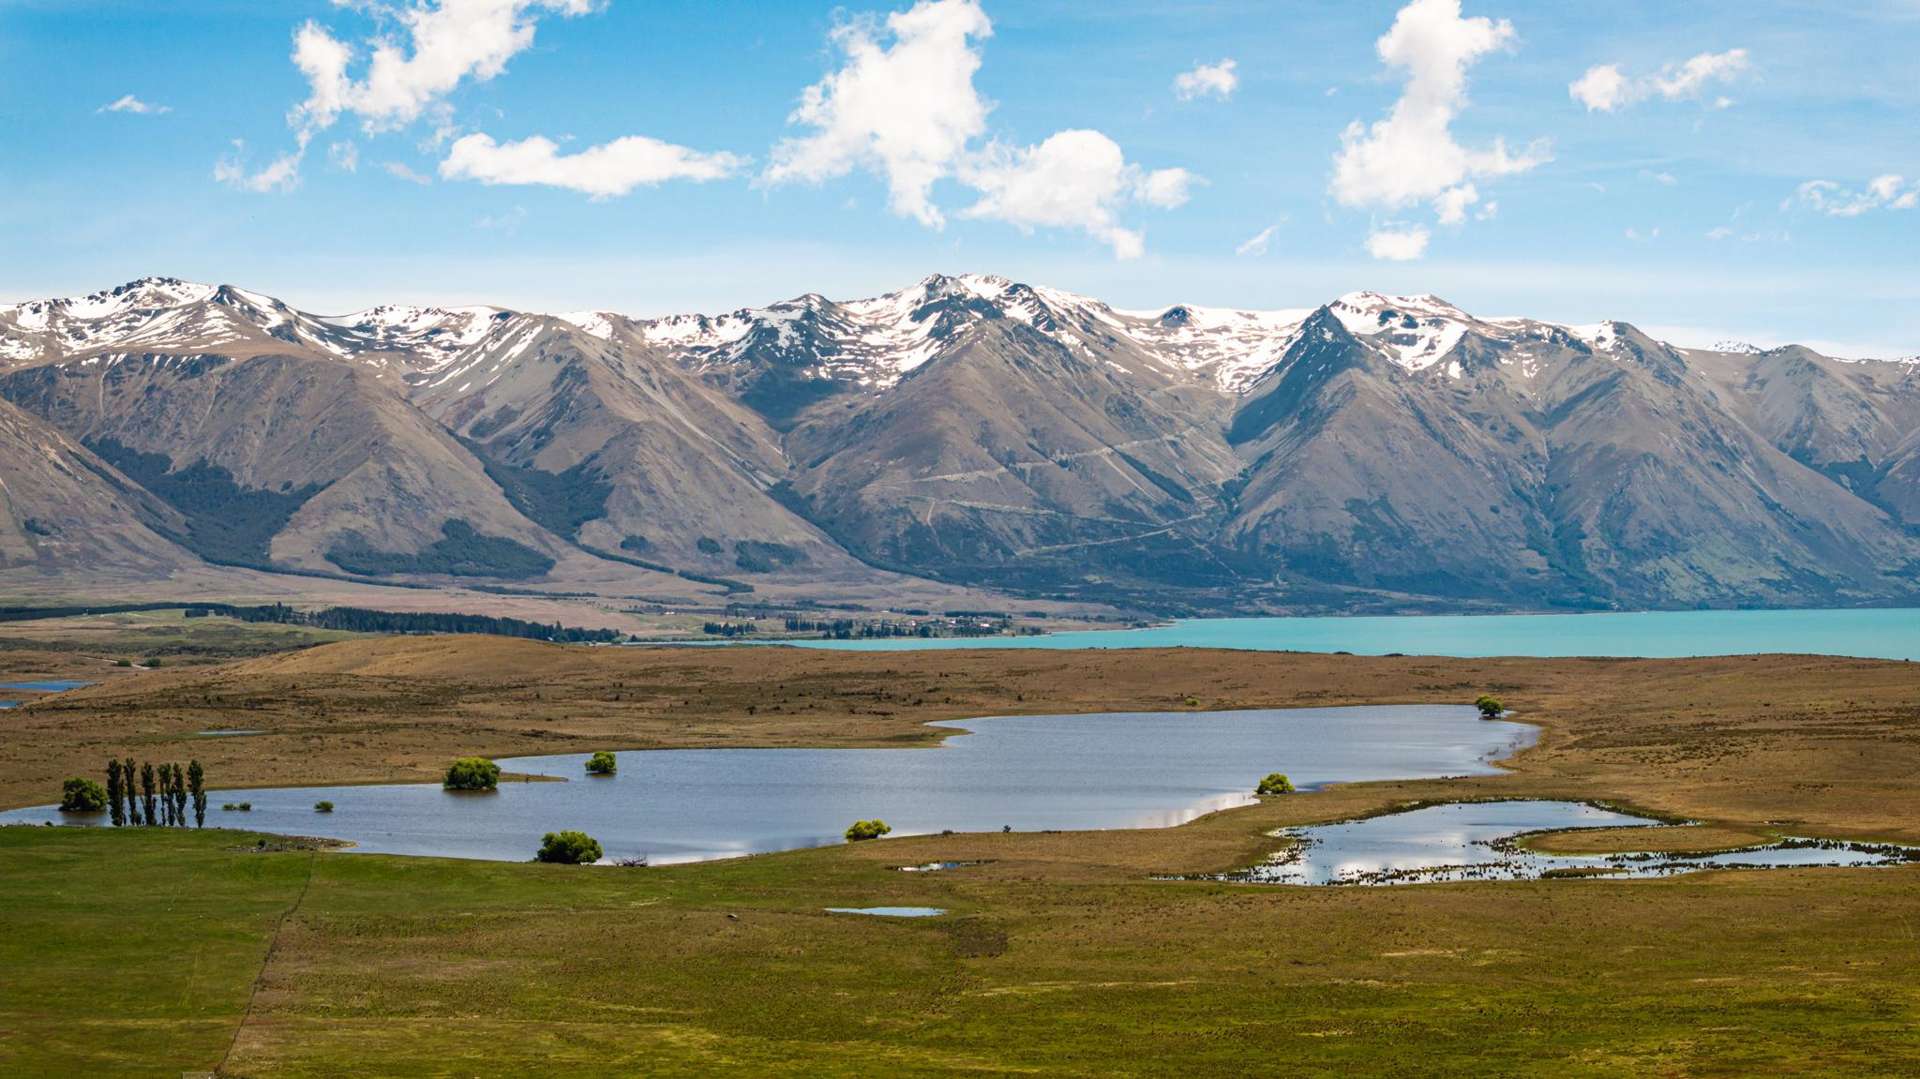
[472, 774]
[1490, 707]
[1275, 783]
[568, 848]
[238, 807]
[323, 807]
[602, 764]
[867, 829]
[78, 795]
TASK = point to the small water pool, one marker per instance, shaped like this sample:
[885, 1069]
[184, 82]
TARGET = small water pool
[890, 912]
[1463, 841]
[50, 686]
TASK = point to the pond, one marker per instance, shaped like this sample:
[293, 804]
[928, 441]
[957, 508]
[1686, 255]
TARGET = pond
[50, 686]
[1869, 633]
[1474, 841]
[1025, 773]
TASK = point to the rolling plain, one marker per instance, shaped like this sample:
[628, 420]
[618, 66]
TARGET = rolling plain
[156, 951]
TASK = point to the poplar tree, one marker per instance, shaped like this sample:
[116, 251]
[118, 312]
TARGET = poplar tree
[115, 804]
[148, 809]
[179, 796]
[197, 783]
[126, 781]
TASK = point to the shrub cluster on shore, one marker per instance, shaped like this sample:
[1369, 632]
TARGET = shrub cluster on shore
[142, 794]
[867, 829]
[472, 774]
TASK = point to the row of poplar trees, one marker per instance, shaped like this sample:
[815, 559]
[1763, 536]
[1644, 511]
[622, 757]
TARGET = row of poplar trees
[156, 795]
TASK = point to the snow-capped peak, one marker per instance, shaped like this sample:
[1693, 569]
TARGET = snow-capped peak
[1415, 332]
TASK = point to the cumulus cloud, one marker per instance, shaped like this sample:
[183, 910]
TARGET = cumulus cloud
[903, 106]
[345, 156]
[613, 168]
[1075, 179]
[1411, 156]
[1605, 88]
[1397, 243]
[1451, 205]
[1218, 80]
[132, 104]
[447, 43]
[281, 174]
[1887, 192]
[906, 109]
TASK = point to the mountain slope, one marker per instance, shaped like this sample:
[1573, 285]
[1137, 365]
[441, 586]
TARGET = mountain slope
[64, 511]
[1377, 452]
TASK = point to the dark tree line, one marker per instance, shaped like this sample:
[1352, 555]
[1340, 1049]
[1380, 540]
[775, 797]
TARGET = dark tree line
[156, 796]
[363, 620]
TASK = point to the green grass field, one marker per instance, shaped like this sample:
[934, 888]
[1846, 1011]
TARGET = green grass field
[146, 952]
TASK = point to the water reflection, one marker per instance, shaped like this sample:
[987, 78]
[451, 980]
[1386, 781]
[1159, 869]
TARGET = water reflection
[1027, 773]
[1475, 841]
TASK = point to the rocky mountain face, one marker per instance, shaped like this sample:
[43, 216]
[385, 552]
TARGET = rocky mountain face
[1378, 452]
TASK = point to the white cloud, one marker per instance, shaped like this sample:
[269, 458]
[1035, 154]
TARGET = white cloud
[1411, 156]
[1165, 188]
[1257, 244]
[1887, 192]
[447, 42]
[1075, 179]
[903, 105]
[906, 110]
[1451, 205]
[613, 168]
[399, 170]
[1397, 243]
[1643, 236]
[132, 104]
[1602, 89]
[1216, 79]
[1605, 88]
[282, 174]
[345, 156]
[1664, 179]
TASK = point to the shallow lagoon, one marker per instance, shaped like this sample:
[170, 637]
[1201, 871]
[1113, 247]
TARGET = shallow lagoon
[1121, 770]
[1474, 841]
[1874, 633]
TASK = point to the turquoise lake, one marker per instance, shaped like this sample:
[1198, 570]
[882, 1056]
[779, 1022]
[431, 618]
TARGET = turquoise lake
[1875, 633]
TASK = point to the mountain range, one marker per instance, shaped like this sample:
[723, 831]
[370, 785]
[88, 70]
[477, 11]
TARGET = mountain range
[1374, 453]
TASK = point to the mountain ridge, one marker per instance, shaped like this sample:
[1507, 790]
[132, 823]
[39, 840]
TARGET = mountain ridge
[1375, 450]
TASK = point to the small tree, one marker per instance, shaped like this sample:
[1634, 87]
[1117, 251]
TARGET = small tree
[323, 807]
[179, 796]
[116, 795]
[197, 785]
[127, 781]
[149, 810]
[867, 829]
[1275, 783]
[81, 795]
[568, 848]
[472, 774]
[1490, 707]
[602, 764]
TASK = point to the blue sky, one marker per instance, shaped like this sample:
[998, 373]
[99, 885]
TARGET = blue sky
[1734, 169]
